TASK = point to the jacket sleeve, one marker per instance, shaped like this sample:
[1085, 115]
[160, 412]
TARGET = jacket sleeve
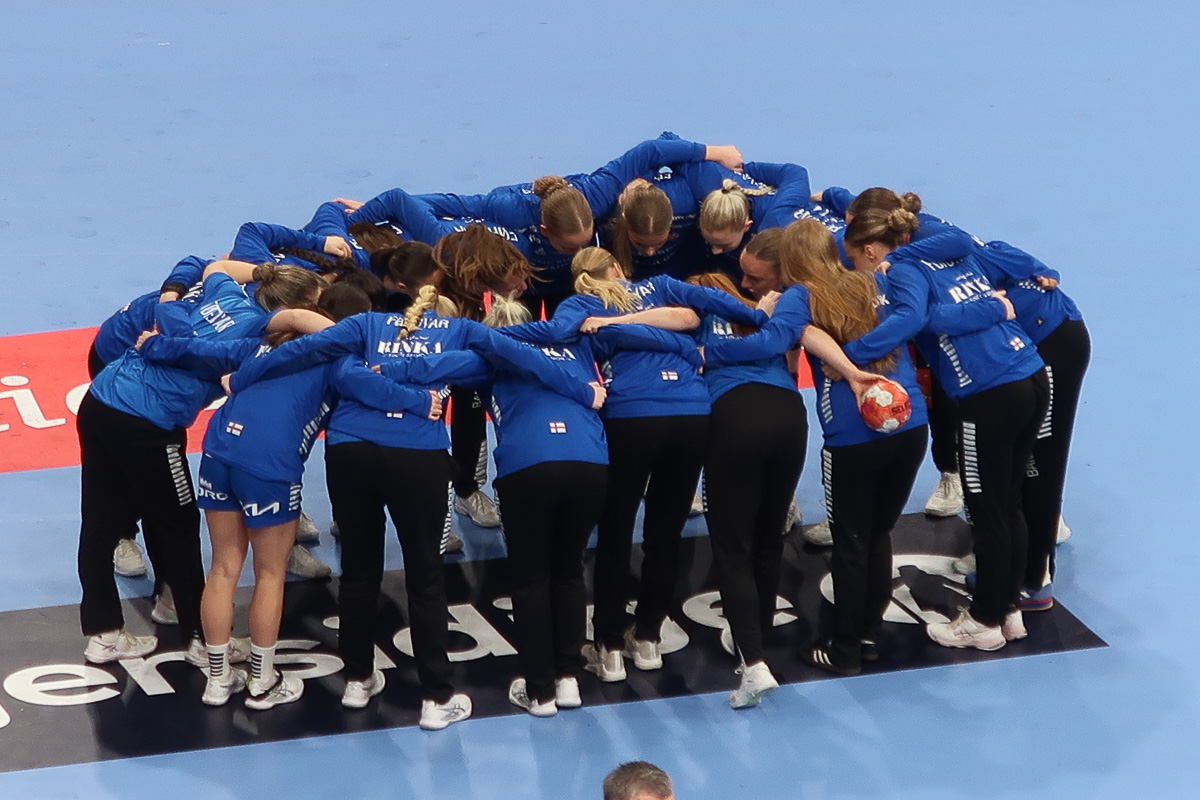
[708, 301]
[459, 367]
[187, 273]
[347, 337]
[256, 242]
[562, 327]
[780, 334]
[503, 353]
[945, 245]
[791, 191]
[1014, 262]
[512, 207]
[602, 187]
[202, 357]
[352, 378]
[908, 296]
[959, 318]
[837, 200]
[408, 212]
[644, 337]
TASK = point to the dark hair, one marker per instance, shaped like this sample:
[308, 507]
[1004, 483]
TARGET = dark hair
[408, 263]
[764, 245]
[627, 780]
[363, 282]
[373, 238]
[475, 261]
[343, 300]
[325, 265]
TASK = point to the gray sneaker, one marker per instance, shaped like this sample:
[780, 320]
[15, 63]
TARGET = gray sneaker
[480, 508]
[115, 645]
[435, 716]
[304, 564]
[307, 531]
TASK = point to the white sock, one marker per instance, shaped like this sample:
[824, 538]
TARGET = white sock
[218, 659]
[262, 668]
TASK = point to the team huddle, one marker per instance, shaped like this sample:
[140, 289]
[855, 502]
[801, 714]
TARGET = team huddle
[597, 320]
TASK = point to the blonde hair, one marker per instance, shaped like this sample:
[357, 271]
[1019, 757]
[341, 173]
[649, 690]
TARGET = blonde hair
[590, 268]
[728, 208]
[642, 209]
[286, 286]
[565, 211]
[842, 301]
[427, 299]
[506, 311]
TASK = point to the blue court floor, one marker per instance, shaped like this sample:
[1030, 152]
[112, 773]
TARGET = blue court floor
[137, 133]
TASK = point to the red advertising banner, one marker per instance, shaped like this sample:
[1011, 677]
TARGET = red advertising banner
[43, 377]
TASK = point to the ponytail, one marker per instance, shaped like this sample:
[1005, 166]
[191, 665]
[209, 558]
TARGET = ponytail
[426, 299]
[285, 286]
[728, 208]
[590, 268]
[890, 228]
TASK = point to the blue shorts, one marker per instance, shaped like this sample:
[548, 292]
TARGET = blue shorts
[263, 503]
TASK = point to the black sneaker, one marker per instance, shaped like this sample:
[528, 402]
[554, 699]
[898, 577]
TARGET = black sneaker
[870, 650]
[821, 656]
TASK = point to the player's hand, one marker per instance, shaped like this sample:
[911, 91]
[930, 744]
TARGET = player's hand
[592, 324]
[726, 155]
[143, 337]
[1046, 282]
[599, 395]
[337, 246]
[767, 302]
[225, 384]
[351, 205]
[435, 407]
[1002, 296]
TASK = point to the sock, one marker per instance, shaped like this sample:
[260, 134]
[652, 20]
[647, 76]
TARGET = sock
[262, 668]
[218, 659]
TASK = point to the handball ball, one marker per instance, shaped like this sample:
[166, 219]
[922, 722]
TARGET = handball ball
[885, 406]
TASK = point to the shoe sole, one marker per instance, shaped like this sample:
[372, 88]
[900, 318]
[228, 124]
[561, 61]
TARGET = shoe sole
[942, 513]
[258, 705]
[845, 672]
[754, 698]
[1038, 605]
[108, 659]
[964, 645]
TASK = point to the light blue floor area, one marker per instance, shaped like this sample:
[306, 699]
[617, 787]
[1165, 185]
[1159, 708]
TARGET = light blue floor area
[139, 133]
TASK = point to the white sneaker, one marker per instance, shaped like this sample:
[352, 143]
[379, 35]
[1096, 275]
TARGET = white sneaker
[197, 653]
[127, 559]
[435, 716]
[757, 683]
[566, 693]
[304, 564]
[115, 645]
[727, 642]
[794, 517]
[966, 632]
[218, 690]
[819, 534]
[697, 505]
[646, 655]
[1014, 626]
[518, 696]
[286, 689]
[965, 565]
[1064, 532]
[358, 693]
[164, 608]
[947, 497]
[307, 531]
[480, 508]
[608, 665]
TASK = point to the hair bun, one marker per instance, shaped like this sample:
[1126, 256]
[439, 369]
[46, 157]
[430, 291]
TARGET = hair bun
[264, 273]
[910, 202]
[902, 221]
[549, 184]
[730, 185]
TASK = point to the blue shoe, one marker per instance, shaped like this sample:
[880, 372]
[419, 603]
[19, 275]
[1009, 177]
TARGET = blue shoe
[1038, 599]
